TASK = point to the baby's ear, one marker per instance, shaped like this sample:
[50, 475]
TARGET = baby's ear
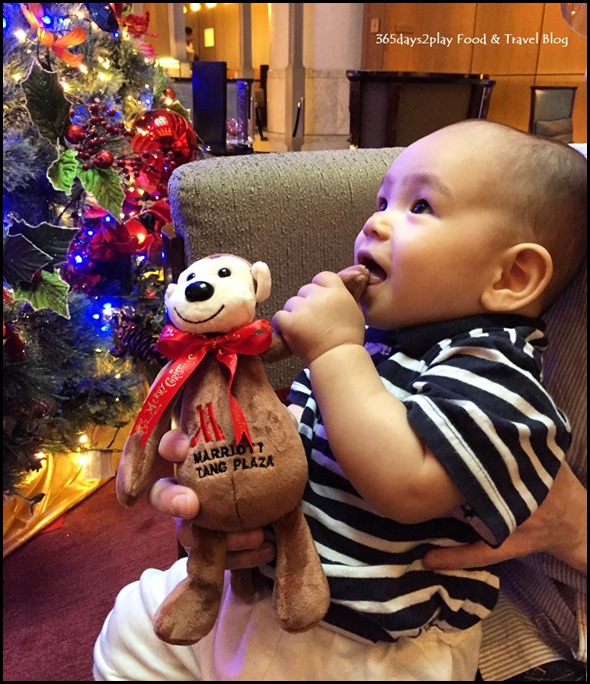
[524, 274]
[261, 275]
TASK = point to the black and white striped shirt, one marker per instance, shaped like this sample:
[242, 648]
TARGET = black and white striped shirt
[473, 391]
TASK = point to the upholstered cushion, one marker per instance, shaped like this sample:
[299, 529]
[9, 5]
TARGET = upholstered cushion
[557, 129]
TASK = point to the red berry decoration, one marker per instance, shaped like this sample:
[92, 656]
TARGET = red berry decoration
[89, 134]
[103, 159]
[169, 92]
[74, 133]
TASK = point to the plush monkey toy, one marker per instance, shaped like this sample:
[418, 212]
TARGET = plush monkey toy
[246, 462]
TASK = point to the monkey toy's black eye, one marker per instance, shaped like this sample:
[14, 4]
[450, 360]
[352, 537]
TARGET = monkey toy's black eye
[224, 273]
[190, 276]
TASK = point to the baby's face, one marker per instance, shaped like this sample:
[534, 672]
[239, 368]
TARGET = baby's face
[438, 232]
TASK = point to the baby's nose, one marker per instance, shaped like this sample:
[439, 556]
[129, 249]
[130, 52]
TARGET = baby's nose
[377, 226]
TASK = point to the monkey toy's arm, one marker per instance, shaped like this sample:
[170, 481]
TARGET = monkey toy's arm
[135, 472]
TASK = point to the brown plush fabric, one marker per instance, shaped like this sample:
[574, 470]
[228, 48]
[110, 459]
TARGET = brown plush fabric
[257, 485]
[243, 481]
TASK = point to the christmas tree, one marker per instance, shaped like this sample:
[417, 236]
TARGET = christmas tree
[92, 132]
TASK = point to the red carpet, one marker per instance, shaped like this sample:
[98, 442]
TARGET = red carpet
[59, 586]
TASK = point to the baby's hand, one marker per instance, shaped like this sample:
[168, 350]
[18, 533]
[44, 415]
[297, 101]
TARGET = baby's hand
[322, 315]
[355, 278]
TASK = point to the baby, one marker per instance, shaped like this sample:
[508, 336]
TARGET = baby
[423, 416]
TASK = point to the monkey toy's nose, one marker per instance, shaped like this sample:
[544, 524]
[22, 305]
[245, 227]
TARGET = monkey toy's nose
[199, 291]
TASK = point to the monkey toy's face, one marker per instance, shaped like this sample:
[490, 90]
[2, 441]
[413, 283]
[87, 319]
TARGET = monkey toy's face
[217, 294]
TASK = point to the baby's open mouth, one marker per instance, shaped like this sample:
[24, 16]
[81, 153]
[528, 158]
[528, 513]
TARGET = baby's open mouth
[377, 274]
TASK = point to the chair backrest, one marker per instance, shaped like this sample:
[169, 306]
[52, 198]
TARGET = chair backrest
[566, 364]
[297, 211]
[551, 112]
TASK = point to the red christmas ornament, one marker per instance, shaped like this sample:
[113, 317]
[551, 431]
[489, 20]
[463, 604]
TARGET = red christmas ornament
[74, 134]
[164, 140]
[103, 159]
[162, 130]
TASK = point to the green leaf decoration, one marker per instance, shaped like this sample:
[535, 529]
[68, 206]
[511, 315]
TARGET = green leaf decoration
[63, 172]
[21, 259]
[161, 81]
[46, 103]
[177, 107]
[51, 292]
[52, 240]
[105, 185]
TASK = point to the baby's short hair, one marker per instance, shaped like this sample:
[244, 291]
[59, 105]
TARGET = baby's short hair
[546, 183]
[558, 207]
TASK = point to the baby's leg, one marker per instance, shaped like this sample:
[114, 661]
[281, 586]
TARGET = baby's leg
[127, 649]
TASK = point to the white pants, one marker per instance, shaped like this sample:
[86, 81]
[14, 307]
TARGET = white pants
[248, 644]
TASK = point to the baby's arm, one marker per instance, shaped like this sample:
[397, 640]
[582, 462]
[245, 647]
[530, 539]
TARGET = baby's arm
[373, 442]
[368, 428]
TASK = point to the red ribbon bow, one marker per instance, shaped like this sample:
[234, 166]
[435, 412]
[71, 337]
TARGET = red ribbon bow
[187, 350]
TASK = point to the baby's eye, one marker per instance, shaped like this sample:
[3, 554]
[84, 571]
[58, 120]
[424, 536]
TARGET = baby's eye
[381, 205]
[420, 207]
[224, 273]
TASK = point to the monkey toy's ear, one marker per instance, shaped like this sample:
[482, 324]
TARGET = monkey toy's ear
[261, 275]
